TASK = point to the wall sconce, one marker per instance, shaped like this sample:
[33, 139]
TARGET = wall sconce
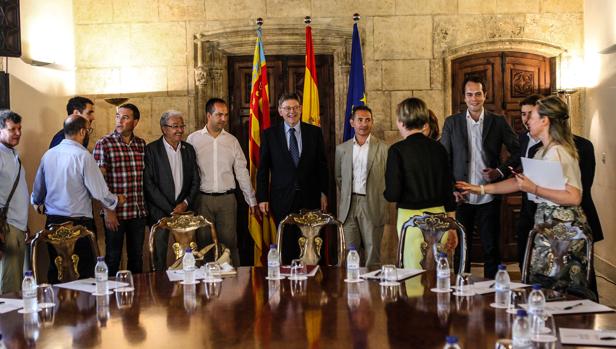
[117, 101]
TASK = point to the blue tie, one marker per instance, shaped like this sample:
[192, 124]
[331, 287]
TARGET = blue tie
[293, 147]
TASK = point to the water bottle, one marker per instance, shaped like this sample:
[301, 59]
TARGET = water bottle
[188, 264]
[28, 292]
[352, 264]
[451, 342]
[502, 286]
[101, 274]
[442, 272]
[536, 301]
[521, 330]
[273, 263]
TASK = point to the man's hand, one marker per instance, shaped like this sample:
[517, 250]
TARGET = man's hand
[255, 211]
[40, 209]
[452, 240]
[460, 197]
[111, 220]
[323, 202]
[264, 208]
[490, 174]
[181, 207]
[121, 199]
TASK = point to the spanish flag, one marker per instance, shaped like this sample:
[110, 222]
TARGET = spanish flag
[262, 231]
[310, 108]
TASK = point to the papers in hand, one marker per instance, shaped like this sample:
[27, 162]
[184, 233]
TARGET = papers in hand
[89, 285]
[544, 173]
[10, 304]
[485, 287]
[578, 336]
[574, 307]
[403, 273]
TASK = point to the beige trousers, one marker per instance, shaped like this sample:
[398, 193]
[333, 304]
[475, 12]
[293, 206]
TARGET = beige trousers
[360, 231]
[222, 211]
[12, 263]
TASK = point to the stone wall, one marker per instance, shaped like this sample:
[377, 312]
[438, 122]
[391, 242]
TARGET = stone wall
[145, 49]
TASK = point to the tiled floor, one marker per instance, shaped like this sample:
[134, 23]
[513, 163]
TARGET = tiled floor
[607, 289]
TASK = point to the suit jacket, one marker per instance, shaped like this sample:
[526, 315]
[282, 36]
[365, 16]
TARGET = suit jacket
[586, 153]
[279, 181]
[496, 133]
[375, 180]
[158, 180]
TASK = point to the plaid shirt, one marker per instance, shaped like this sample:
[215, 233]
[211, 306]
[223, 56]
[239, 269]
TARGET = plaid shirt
[124, 165]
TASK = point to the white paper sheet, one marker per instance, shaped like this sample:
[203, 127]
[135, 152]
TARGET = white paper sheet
[576, 336]
[10, 304]
[544, 173]
[577, 307]
[403, 273]
[485, 287]
[89, 285]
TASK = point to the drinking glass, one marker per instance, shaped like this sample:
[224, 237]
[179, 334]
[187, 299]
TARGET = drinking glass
[298, 286]
[124, 299]
[389, 294]
[389, 275]
[212, 272]
[464, 285]
[125, 277]
[543, 331]
[212, 289]
[516, 297]
[45, 296]
[298, 270]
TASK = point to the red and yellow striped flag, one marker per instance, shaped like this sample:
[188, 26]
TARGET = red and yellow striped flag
[310, 108]
[262, 231]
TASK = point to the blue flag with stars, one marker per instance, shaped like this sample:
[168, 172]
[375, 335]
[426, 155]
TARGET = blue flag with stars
[357, 93]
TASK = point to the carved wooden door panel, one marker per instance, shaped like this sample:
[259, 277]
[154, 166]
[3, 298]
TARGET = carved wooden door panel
[285, 74]
[509, 78]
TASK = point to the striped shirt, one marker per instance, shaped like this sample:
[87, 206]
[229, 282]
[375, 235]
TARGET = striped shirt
[124, 165]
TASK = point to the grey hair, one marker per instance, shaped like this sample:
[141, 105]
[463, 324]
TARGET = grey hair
[169, 114]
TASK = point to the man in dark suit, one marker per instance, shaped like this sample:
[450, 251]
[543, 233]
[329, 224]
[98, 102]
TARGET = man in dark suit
[474, 140]
[171, 178]
[293, 173]
[77, 105]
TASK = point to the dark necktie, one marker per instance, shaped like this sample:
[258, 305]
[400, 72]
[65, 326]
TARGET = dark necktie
[293, 147]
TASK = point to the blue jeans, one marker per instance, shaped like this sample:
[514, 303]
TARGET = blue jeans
[134, 229]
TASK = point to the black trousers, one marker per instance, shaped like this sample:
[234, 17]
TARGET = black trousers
[486, 218]
[134, 230]
[526, 223]
[292, 233]
[85, 221]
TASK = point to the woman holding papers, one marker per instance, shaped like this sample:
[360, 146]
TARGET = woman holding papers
[558, 210]
[418, 178]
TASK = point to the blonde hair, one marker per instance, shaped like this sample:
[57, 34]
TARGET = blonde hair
[557, 111]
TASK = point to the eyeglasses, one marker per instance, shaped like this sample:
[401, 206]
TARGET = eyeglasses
[175, 127]
[289, 109]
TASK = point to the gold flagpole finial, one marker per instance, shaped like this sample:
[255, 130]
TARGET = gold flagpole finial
[356, 17]
[307, 20]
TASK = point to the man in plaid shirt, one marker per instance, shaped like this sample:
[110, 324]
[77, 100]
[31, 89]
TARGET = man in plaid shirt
[120, 156]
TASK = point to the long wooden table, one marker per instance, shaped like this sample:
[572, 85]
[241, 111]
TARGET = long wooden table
[248, 311]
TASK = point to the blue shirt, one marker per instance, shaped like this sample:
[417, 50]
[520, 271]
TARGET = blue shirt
[67, 180]
[298, 135]
[17, 215]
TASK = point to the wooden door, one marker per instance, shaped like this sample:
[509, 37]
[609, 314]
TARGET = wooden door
[509, 78]
[285, 74]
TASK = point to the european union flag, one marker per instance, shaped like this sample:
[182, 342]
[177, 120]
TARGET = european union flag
[357, 93]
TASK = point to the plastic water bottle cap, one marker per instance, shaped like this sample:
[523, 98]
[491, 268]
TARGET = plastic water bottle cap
[100, 259]
[521, 313]
[352, 247]
[536, 287]
[273, 246]
[28, 273]
[442, 254]
[502, 267]
[188, 250]
[451, 339]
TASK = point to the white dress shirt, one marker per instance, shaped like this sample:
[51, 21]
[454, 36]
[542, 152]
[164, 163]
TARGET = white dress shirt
[531, 143]
[360, 166]
[175, 161]
[477, 161]
[298, 135]
[218, 159]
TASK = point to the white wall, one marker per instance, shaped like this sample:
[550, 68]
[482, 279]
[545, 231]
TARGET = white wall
[599, 33]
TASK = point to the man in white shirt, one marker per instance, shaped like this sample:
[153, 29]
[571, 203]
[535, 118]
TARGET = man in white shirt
[360, 177]
[221, 161]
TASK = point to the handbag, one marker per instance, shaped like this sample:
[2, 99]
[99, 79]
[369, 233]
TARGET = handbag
[4, 225]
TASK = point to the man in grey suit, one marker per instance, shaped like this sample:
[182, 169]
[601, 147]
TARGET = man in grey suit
[474, 139]
[360, 177]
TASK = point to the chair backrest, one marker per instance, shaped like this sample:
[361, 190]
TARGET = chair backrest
[182, 229]
[563, 241]
[63, 253]
[310, 224]
[432, 226]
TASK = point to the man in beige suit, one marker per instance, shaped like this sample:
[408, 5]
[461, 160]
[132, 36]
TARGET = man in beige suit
[360, 177]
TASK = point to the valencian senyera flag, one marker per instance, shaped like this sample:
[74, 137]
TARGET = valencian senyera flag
[263, 231]
[357, 93]
[310, 107]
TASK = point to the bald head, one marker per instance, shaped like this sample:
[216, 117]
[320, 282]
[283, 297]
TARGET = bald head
[73, 124]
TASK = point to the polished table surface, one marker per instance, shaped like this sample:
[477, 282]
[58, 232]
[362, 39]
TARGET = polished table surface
[248, 311]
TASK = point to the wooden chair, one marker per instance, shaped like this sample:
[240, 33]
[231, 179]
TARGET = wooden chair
[63, 253]
[432, 226]
[310, 224]
[182, 234]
